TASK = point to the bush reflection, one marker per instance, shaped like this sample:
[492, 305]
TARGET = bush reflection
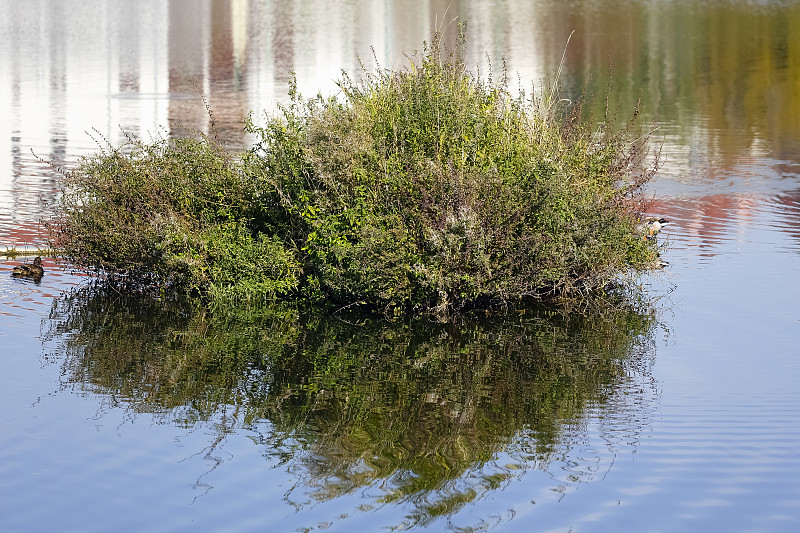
[414, 411]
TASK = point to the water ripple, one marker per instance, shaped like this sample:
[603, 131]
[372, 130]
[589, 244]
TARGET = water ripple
[19, 296]
[707, 226]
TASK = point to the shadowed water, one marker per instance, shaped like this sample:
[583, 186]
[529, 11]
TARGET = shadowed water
[130, 414]
[427, 417]
[349, 417]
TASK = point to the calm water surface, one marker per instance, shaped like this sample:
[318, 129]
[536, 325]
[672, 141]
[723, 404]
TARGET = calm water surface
[123, 414]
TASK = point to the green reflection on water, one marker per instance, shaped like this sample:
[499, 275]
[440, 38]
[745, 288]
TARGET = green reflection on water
[415, 411]
[687, 62]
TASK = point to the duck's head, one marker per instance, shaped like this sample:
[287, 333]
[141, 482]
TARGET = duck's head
[653, 220]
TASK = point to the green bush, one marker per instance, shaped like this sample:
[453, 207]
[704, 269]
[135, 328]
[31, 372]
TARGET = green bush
[176, 214]
[432, 189]
[421, 190]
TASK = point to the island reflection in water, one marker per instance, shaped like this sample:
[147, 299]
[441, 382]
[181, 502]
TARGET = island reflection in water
[431, 416]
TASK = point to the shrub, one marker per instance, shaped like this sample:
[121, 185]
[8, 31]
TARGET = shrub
[178, 214]
[427, 189]
[430, 188]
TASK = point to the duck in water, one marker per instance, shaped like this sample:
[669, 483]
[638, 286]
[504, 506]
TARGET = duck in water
[650, 226]
[33, 270]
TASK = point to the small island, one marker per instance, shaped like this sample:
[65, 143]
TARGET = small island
[426, 190]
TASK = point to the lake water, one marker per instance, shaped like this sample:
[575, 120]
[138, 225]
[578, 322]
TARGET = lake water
[126, 414]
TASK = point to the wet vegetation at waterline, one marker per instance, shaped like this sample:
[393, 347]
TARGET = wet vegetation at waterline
[417, 410]
[423, 190]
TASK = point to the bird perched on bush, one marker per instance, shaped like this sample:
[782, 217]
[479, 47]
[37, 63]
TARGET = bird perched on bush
[33, 270]
[650, 226]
